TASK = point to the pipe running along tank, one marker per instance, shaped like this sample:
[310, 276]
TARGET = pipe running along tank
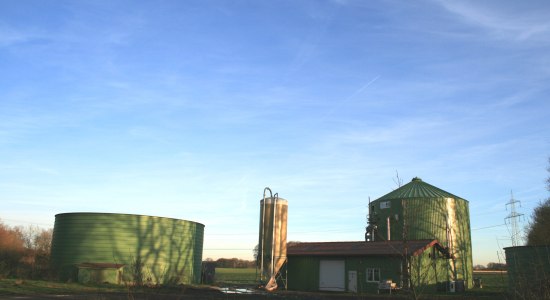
[272, 239]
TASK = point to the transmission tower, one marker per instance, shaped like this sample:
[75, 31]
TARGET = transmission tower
[512, 219]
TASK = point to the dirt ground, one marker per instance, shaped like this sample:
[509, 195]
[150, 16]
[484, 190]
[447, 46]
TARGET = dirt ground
[227, 293]
[198, 293]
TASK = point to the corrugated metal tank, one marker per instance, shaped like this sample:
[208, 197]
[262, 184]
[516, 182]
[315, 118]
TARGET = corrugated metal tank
[169, 250]
[528, 271]
[272, 236]
[427, 212]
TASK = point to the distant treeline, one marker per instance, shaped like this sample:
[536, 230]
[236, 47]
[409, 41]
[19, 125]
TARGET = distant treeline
[232, 263]
[491, 267]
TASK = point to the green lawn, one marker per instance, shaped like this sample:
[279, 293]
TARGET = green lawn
[36, 287]
[235, 275]
[496, 282]
[224, 276]
[494, 286]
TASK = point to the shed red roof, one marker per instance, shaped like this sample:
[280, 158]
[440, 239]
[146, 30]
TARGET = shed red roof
[361, 248]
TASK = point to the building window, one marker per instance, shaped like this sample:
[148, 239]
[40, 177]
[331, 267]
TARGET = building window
[373, 275]
[385, 204]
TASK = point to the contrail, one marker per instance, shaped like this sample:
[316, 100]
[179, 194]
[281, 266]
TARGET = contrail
[361, 89]
[357, 92]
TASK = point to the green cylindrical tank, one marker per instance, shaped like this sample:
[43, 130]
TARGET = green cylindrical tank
[528, 271]
[151, 249]
[419, 211]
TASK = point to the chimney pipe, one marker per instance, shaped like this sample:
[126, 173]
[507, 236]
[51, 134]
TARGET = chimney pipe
[389, 230]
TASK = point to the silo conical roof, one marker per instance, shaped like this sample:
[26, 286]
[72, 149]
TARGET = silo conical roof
[418, 189]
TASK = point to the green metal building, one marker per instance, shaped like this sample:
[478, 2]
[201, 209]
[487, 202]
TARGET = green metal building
[528, 271]
[417, 211]
[360, 267]
[116, 248]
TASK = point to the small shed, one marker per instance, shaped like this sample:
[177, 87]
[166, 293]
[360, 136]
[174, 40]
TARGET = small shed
[100, 273]
[360, 267]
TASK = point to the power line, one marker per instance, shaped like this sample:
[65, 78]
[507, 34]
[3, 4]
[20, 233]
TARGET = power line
[228, 249]
[293, 232]
[23, 221]
[224, 234]
[493, 226]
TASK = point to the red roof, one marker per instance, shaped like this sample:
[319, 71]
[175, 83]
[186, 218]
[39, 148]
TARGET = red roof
[362, 248]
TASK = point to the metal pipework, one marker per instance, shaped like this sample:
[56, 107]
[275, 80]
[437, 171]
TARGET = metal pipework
[273, 236]
[262, 226]
[389, 230]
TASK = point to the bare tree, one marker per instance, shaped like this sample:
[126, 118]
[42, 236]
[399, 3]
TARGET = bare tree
[398, 180]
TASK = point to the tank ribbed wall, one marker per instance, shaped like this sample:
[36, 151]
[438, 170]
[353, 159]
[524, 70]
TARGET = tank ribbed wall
[170, 250]
[421, 211]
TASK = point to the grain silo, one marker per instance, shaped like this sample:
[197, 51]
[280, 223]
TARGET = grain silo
[272, 239]
[117, 248]
[418, 211]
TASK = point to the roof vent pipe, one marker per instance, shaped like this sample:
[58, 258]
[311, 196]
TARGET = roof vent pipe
[389, 231]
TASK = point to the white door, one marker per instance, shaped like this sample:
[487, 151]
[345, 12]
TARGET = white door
[332, 275]
[352, 281]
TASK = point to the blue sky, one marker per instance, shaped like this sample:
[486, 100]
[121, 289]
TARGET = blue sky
[188, 109]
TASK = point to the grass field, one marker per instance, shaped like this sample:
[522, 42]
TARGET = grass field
[494, 287]
[235, 276]
[34, 287]
[493, 281]
[224, 276]
[494, 284]
[15, 289]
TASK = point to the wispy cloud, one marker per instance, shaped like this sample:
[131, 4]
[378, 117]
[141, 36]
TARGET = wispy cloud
[10, 36]
[190, 111]
[519, 26]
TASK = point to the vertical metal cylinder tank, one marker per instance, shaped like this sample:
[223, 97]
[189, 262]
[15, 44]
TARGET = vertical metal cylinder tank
[418, 211]
[528, 271]
[148, 249]
[272, 241]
